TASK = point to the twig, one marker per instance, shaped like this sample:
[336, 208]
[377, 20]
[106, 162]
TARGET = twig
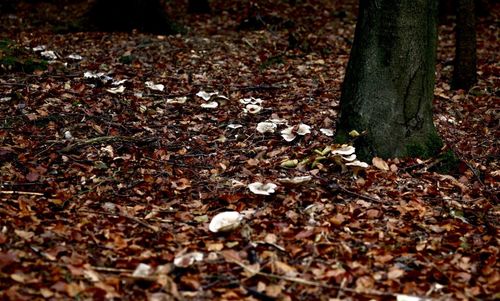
[361, 196]
[336, 186]
[21, 192]
[111, 270]
[257, 88]
[431, 164]
[414, 166]
[102, 139]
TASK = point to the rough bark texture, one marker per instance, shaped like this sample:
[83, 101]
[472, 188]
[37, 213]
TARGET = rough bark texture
[464, 73]
[389, 82]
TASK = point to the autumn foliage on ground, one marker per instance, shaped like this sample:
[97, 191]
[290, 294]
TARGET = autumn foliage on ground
[115, 157]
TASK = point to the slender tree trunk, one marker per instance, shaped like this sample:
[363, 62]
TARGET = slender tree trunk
[389, 82]
[464, 72]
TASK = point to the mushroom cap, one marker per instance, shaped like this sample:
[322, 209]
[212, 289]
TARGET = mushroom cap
[206, 95]
[344, 151]
[186, 260]
[253, 109]
[225, 221]
[263, 189]
[287, 134]
[264, 127]
[357, 164]
[349, 158]
[210, 105]
[303, 129]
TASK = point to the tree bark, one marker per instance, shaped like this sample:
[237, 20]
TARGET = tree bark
[389, 82]
[465, 72]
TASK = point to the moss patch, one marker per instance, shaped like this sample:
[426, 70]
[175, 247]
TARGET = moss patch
[14, 58]
[429, 148]
[448, 163]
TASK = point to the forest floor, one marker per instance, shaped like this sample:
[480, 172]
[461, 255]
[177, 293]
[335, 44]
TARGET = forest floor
[108, 183]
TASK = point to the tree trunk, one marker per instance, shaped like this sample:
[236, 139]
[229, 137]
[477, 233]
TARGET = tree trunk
[126, 15]
[389, 82]
[464, 72]
[198, 7]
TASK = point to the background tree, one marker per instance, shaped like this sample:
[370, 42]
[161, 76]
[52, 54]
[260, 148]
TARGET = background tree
[126, 15]
[198, 7]
[465, 69]
[388, 87]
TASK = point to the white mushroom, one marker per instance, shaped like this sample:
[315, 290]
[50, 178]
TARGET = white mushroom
[345, 150]
[206, 95]
[151, 85]
[349, 158]
[186, 260]
[288, 134]
[143, 270]
[327, 132]
[210, 105]
[234, 126]
[263, 189]
[278, 121]
[251, 100]
[225, 221]
[357, 166]
[252, 109]
[303, 129]
[266, 127]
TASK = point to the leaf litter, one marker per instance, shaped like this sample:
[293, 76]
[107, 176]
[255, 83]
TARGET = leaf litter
[111, 172]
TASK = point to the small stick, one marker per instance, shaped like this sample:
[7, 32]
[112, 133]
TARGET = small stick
[111, 270]
[21, 192]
